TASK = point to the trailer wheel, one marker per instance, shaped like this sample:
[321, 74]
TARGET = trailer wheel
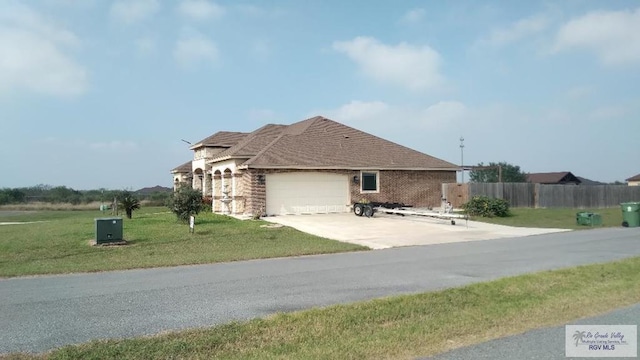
[368, 211]
[358, 210]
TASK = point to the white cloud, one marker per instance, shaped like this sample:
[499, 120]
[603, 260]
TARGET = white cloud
[34, 54]
[261, 49]
[580, 92]
[200, 9]
[132, 11]
[81, 144]
[378, 114]
[358, 111]
[610, 112]
[444, 112]
[413, 16]
[517, 31]
[146, 45]
[414, 67]
[614, 36]
[261, 115]
[114, 145]
[194, 48]
[260, 12]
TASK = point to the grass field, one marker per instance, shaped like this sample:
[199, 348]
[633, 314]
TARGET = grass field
[60, 243]
[399, 327]
[554, 218]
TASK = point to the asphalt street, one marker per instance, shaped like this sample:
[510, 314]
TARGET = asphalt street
[539, 344]
[44, 312]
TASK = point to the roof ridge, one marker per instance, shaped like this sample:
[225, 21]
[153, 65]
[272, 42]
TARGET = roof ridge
[318, 128]
[264, 149]
[245, 141]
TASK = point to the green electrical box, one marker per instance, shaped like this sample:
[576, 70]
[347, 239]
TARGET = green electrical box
[108, 230]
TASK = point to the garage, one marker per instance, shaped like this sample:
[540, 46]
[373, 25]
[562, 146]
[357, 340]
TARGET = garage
[306, 193]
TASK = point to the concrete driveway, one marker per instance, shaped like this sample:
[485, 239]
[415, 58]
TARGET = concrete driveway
[385, 231]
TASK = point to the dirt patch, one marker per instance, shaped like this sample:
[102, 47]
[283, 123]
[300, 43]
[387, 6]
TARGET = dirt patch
[272, 226]
[93, 242]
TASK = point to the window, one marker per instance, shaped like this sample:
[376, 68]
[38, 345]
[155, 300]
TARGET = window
[369, 181]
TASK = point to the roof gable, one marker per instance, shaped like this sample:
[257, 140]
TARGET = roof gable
[323, 143]
[220, 139]
[252, 143]
[563, 177]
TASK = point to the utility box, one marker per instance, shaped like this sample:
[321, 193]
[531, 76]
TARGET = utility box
[108, 230]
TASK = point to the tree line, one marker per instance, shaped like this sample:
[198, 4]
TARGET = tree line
[63, 194]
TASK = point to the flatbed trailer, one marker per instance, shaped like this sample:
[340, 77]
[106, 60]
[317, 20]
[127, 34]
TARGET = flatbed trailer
[368, 209]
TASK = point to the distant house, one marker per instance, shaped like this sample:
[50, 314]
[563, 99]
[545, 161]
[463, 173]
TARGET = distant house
[554, 178]
[312, 166]
[585, 181]
[634, 180]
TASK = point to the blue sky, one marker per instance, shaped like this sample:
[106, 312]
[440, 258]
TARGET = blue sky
[99, 94]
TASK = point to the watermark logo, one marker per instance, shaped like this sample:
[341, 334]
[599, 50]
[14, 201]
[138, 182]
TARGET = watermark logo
[601, 341]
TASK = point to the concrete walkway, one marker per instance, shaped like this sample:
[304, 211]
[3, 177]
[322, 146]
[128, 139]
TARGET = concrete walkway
[385, 231]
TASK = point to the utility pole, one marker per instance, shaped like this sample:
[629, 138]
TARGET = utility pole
[462, 157]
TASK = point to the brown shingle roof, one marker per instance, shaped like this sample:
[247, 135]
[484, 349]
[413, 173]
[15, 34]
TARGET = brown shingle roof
[221, 139]
[321, 143]
[184, 168]
[634, 178]
[252, 143]
[552, 178]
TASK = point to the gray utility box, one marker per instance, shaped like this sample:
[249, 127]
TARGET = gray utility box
[108, 230]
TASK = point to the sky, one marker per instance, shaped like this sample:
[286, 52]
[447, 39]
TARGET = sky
[100, 94]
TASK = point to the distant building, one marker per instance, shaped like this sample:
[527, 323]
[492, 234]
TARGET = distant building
[634, 180]
[554, 178]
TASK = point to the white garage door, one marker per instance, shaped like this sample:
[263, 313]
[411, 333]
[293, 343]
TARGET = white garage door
[306, 193]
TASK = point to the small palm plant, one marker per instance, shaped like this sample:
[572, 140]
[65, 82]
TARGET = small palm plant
[129, 202]
[579, 336]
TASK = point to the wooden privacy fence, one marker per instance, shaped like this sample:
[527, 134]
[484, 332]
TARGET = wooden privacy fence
[544, 196]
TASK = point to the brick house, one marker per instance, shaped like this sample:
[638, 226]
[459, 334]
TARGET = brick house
[312, 166]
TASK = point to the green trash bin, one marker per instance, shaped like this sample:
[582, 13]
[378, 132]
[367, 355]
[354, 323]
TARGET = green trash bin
[588, 219]
[582, 218]
[630, 214]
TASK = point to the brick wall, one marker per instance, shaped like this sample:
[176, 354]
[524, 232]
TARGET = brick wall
[254, 192]
[417, 188]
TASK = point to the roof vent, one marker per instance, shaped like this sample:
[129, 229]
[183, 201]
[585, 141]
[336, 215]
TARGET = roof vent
[346, 136]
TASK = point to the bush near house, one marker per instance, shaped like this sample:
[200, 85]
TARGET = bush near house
[487, 207]
[185, 202]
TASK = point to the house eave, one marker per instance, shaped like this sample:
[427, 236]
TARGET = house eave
[225, 158]
[356, 168]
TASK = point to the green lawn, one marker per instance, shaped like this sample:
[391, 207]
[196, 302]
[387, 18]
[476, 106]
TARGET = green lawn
[61, 243]
[554, 218]
[399, 327]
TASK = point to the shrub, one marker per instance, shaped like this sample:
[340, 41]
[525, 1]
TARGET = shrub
[487, 207]
[185, 202]
[129, 202]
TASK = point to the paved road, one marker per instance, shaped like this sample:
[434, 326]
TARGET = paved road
[540, 344]
[41, 313]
